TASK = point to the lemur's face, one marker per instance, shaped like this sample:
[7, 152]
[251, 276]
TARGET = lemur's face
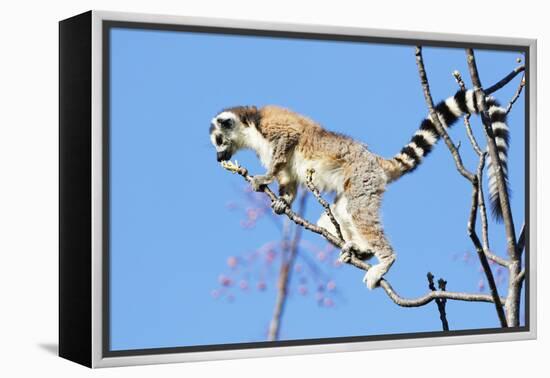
[224, 135]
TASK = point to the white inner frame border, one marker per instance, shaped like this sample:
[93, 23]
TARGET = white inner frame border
[98, 360]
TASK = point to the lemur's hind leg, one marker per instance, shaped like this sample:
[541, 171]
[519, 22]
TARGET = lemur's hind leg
[340, 213]
[354, 244]
[363, 190]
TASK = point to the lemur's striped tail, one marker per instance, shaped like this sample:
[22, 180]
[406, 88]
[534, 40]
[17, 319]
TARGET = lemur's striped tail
[449, 111]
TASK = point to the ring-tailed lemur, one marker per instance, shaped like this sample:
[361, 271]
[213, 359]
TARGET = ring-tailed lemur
[288, 144]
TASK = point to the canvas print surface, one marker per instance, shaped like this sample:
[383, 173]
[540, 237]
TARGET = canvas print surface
[201, 257]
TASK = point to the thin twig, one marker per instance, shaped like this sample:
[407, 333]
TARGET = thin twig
[516, 95]
[459, 80]
[483, 215]
[321, 200]
[441, 302]
[495, 87]
[396, 298]
[471, 136]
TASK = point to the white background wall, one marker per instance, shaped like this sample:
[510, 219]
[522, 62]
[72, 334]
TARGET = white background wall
[28, 186]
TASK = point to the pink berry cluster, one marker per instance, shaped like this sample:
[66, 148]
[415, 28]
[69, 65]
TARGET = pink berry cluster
[258, 270]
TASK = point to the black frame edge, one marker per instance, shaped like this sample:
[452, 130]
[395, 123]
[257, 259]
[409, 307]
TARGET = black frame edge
[75, 175]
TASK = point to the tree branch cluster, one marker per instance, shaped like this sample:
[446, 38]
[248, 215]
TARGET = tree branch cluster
[508, 314]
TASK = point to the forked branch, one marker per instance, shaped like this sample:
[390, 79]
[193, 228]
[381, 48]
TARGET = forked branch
[441, 302]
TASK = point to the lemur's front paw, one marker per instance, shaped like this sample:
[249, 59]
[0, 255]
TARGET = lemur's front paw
[279, 206]
[347, 252]
[258, 182]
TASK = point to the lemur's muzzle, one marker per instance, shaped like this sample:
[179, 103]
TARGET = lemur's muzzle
[223, 155]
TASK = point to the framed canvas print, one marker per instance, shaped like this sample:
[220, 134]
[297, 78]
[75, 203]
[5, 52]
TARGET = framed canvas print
[234, 189]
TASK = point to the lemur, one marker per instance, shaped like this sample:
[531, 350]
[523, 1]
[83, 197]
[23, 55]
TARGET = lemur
[289, 144]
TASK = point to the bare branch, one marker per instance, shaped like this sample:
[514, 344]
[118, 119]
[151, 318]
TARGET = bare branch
[421, 301]
[439, 301]
[493, 152]
[520, 277]
[479, 248]
[481, 196]
[459, 80]
[321, 200]
[290, 250]
[483, 215]
[485, 225]
[505, 80]
[514, 290]
[404, 302]
[471, 136]
[474, 180]
[516, 95]
[441, 129]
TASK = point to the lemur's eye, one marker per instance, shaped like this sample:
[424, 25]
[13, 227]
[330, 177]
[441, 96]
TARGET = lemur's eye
[219, 139]
[226, 123]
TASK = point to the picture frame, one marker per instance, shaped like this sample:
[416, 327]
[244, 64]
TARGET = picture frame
[85, 109]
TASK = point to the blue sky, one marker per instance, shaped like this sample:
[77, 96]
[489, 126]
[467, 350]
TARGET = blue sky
[172, 231]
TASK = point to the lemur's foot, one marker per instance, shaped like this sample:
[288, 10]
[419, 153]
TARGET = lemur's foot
[374, 275]
[279, 206]
[376, 272]
[259, 181]
[351, 249]
[347, 252]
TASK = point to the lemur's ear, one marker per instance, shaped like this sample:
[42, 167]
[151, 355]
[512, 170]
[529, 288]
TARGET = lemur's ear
[249, 116]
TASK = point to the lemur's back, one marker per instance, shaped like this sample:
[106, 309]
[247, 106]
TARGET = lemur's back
[333, 156]
[312, 141]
